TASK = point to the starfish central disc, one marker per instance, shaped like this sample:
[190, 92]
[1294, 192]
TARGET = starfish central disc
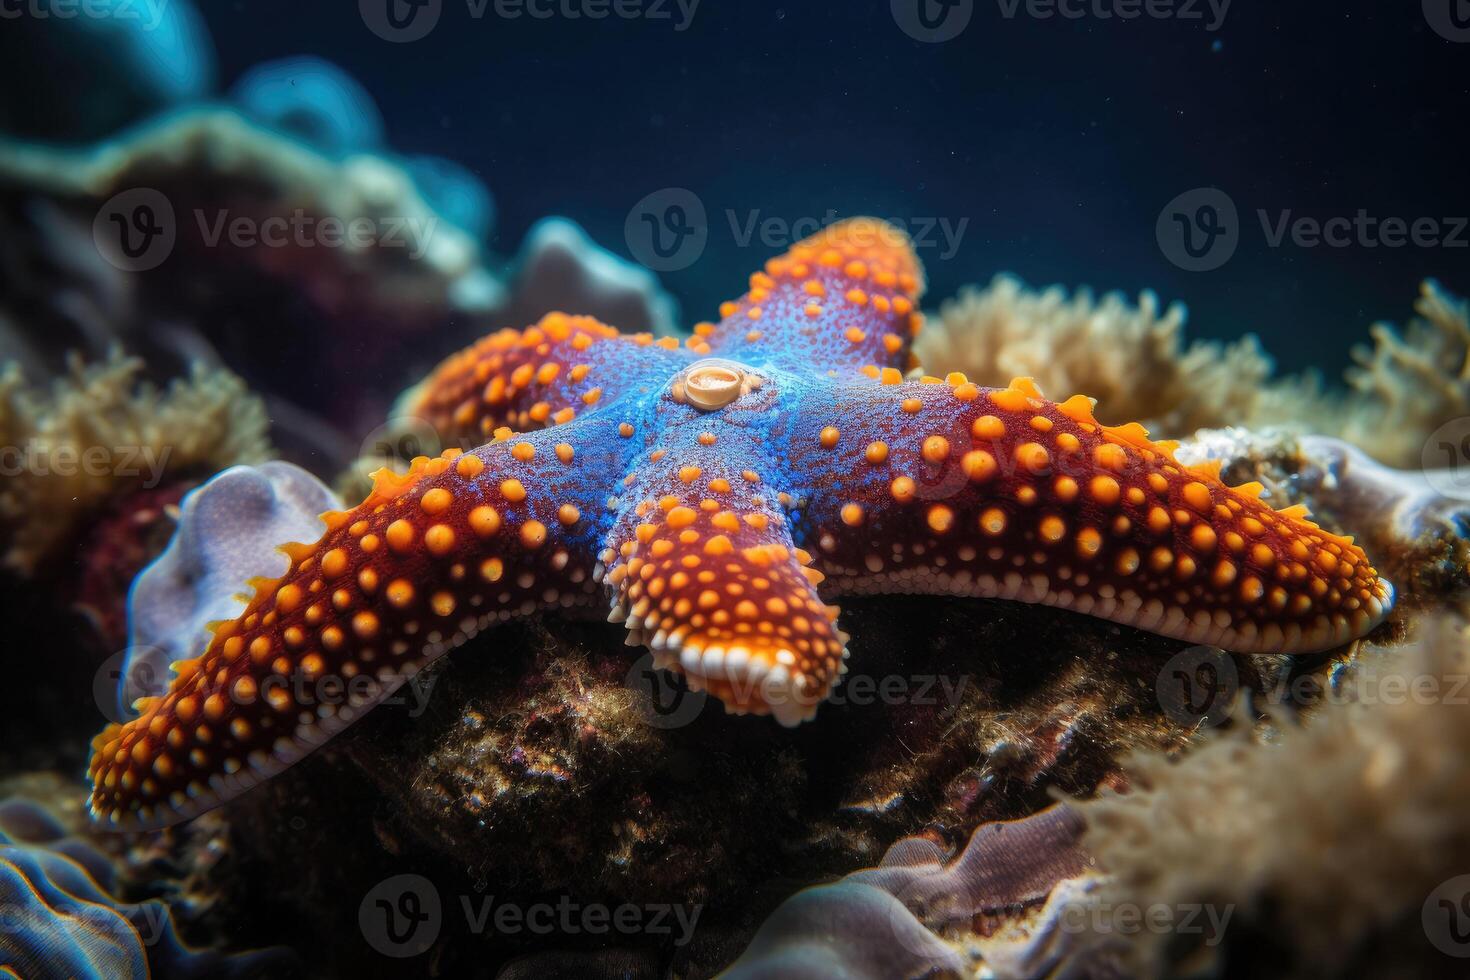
[712, 383]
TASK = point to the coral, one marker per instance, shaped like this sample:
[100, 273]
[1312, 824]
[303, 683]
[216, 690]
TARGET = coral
[906, 916]
[227, 533]
[1103, 347]
[424, 273]
[311, 100]
[560, 268]
[62, 919]
[1409, 385]
[1006, 865]
[102, 433]
[454, 192]
[110, 67]
[206, 159]
[1330, 832]
[846, 931]
[725, 595]
[1420, 535]
[1404, 388]
[316, 102]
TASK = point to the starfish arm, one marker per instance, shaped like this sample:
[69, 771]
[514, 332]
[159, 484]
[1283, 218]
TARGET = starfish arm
[705, 572]
[428, 560]
[542, 376]
[947, 488]
[844, 300]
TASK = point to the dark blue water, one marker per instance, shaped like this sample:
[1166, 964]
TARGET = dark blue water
[1048, 145]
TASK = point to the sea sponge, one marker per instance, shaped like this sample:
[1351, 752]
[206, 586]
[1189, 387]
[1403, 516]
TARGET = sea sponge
[1329, 832]
[1103, 348]
[102, 431]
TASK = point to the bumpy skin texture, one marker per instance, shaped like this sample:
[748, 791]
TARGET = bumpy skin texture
[714, 505]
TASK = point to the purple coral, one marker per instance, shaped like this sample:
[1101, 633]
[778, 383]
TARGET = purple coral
[228, 533]
[885, 921]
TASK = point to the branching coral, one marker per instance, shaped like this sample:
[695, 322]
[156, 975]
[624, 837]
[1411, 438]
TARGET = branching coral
[101, 431]
[1331, 832]
[1104, 348]
[1404, 388]
[1410, 384]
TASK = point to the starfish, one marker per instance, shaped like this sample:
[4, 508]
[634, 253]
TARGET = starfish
[713, 495]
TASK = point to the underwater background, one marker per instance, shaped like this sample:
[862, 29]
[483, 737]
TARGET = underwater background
[1001, 266]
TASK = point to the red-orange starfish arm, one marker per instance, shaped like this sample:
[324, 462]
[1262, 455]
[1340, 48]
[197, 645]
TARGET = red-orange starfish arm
[845, 299]
[943, 487]
[535, 378]
[426, 562]
[704, 569]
